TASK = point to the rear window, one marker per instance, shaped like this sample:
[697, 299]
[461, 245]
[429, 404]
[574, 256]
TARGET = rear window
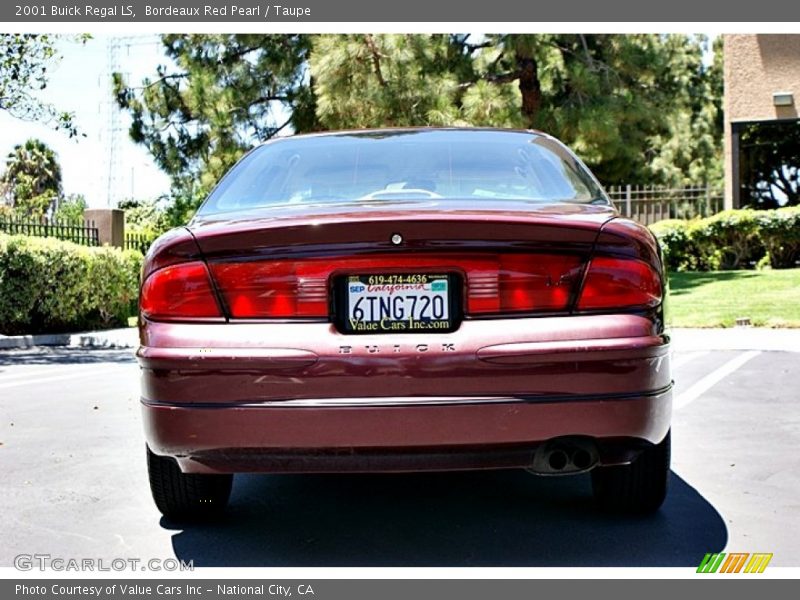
[371, 167]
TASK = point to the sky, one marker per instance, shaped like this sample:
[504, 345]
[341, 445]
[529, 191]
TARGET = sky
[79, 83]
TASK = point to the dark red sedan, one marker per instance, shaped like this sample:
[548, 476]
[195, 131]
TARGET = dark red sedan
[405, 300]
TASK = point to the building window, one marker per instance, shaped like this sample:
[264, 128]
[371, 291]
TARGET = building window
[768, 160]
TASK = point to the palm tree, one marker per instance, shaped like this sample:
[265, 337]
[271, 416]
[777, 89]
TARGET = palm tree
[32, 178]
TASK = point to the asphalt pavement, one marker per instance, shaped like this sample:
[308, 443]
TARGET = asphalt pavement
[75, 485]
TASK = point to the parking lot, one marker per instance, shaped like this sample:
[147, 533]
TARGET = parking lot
[75, 484]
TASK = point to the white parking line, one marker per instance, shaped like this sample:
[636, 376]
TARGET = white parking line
[701, 387]
[35, 371]
[687, 357]
[33, 381]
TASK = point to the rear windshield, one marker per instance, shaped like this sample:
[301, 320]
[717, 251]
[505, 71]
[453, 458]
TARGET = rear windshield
[370, 167]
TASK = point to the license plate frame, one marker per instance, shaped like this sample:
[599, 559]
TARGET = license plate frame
[342, 296]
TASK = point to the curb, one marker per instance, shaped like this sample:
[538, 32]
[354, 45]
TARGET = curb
[113, 338]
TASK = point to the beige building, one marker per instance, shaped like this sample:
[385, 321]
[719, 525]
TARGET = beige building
[762, 94]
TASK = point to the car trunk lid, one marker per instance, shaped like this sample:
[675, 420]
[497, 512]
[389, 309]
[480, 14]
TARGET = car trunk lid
[295, 262]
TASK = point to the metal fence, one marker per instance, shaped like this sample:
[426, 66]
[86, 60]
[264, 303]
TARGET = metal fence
[86, 234]
[648, 204]
[138, 241]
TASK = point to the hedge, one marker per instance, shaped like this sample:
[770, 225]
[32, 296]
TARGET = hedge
[51, 286]
[732, 239]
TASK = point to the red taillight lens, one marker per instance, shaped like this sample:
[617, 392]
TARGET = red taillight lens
[277, 289]
[619, 283]
[494, 283]
[521, 283]
[177, 292]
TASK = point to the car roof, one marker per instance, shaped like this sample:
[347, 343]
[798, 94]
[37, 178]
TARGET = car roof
[420, 129]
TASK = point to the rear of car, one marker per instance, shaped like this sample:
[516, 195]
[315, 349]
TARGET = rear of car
[405, 300]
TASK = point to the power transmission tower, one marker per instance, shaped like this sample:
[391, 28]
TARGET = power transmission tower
[119, 184]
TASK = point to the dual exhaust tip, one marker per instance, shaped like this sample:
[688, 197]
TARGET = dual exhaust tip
[565, 456]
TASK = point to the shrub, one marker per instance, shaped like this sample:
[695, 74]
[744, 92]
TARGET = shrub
[727, 240]
[780, 234]
[48, 285]
[733, 239]
[673, 236]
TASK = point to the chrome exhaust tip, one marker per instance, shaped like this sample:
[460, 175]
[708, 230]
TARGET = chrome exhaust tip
[565, 456]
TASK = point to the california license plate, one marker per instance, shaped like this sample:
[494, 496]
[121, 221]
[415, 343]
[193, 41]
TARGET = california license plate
[398, 303]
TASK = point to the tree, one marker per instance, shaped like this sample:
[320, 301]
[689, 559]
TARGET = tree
[387, 80]
[690, 151]
[24, 63]
[32, 179]
[635, 107]
[145, 217]
[222, 94]
[70, 209]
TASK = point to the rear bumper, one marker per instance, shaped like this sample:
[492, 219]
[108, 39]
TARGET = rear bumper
[297, 397]
[411, 434]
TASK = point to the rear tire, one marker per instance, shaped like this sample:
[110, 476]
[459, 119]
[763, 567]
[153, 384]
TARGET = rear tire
[185, 496]
[639, 487]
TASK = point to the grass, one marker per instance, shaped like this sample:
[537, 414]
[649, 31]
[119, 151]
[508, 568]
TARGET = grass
[769, 298]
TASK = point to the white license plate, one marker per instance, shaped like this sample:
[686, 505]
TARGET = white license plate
[397, 303]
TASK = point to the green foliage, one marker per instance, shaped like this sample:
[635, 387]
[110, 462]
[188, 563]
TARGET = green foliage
[690, 150]
[145, 216]
[114, 280]
[184, 203]
[385, 80]
[25, 59]
[70, 210]
[634, 107]
[32, 178]
[765, 262]
[148, 219]
[780, 234]
[48, 285]
[222, 96]
[31, 206]
[732, 239]
[728, 240]
[673, 236]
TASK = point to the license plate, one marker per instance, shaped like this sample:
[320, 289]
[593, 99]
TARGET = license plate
[398, 303]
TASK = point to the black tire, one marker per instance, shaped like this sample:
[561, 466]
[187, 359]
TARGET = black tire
[639, 487]
[186, 497]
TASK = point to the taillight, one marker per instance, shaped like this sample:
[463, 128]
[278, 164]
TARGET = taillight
[179, 292]
[619, 283]
[494, 283]
[521, 283]
[276, 289]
